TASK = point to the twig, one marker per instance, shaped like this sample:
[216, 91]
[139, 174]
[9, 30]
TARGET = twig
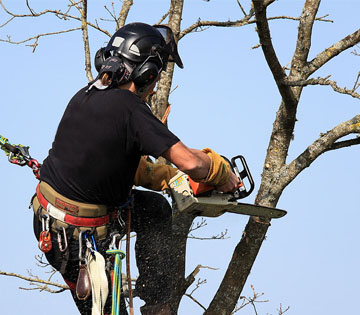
[356, 85]
[220, 236]
[35, 280]
[325, 81]
[57, 13]
[163, 17]
[241, 7]
[281, 311]
[196, 301]
[203, 25]
[30, 9]
[36, 38]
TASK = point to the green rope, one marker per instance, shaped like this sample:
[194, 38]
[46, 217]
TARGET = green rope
[3, 141]
[116, 290]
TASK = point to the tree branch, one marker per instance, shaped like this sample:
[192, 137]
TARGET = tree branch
[57, 13]
[334, 50]
[246, 20]
[325, 143]
[196, 301]
[344, 144]
[34, 280]
[324, 81]
[270, 55]
[304, 37]
[36, 38]
[124, 13]
[83, 12]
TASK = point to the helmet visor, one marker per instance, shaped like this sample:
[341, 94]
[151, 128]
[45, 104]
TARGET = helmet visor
[170, 44]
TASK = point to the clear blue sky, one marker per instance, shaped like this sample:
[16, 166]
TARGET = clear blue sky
[226, 99]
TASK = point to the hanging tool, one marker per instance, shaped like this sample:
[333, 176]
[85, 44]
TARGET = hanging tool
[20, 155]
[45, 244]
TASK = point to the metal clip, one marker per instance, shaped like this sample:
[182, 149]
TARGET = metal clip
[120, 220]
[45, 222]
[59, 240]
[113, 242]
[81, 258]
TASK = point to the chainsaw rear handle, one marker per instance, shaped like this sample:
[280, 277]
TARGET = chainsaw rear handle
[242, 191]
[245, 173]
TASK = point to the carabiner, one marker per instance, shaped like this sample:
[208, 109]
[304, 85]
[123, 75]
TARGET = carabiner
[81, 258]
[113, 242]
[59, 240]
[45, 219]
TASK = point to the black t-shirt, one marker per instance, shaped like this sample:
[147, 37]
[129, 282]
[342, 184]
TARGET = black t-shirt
[98, 145]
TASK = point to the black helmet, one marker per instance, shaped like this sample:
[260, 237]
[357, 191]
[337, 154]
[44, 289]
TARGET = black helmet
[145, 48]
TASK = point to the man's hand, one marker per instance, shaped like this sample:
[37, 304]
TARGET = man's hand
[231, 185]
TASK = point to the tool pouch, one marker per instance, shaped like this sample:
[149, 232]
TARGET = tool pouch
[83, 284]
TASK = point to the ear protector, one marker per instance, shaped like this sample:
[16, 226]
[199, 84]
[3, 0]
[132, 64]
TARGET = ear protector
[100, 56]
[142, 75]
[145, 74]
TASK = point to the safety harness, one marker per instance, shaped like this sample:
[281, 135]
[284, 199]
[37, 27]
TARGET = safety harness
[85, 222]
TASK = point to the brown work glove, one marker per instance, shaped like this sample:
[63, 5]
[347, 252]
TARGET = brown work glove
[219, 172]
[153, 176]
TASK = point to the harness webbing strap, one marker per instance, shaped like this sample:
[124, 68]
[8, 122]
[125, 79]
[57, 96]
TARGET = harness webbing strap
[69, 219]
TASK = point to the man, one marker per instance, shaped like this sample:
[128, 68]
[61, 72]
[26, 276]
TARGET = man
[87, 179]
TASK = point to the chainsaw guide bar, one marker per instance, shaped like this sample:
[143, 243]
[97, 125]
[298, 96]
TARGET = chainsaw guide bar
[214, 203]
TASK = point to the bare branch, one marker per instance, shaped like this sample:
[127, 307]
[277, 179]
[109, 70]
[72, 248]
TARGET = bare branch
[325, 143]
[197, 26]
[270, 55]
[30, 9]
[304, 36]
[325, 81]
[220, 236]
[344, 144]
[334, 50]
[85, 35]
[191, 277]
[241, 7]
[198, 225]
[36, 38]
[74, 4]
[163, 17]
[196, 301]
[7, 22]
[124, 13]
[250, 300]
[57, 13]
[36, 281]
[356, 84]
[202, 25]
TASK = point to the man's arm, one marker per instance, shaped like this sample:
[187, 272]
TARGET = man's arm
[190, 161]
[199, 166]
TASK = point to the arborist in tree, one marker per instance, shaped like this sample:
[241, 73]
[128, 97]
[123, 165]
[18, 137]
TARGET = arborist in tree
[86, 183]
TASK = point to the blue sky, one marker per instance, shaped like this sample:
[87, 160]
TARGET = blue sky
[226, 99]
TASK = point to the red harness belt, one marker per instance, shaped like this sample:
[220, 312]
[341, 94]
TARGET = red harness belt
[67, 218]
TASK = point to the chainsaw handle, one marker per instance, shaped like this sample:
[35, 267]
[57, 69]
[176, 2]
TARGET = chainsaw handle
[245, 173]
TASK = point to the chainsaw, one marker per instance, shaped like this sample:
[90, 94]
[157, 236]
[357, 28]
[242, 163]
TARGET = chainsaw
[201, 199]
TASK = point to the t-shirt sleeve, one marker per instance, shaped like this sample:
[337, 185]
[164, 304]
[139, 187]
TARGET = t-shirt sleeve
[150, 135]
